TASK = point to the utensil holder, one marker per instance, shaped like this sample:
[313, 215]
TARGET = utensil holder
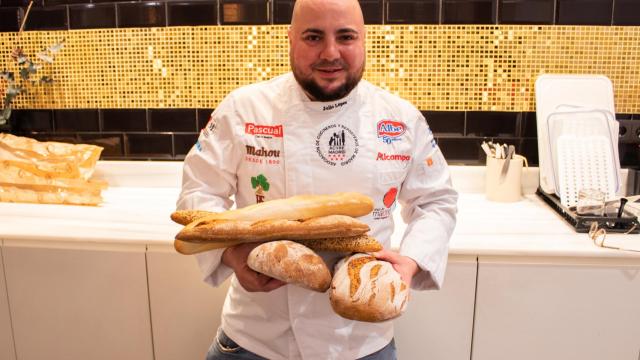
[507, 189]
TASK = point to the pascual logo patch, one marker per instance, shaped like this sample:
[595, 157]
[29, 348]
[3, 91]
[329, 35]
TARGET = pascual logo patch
[389, 199]
[390, 131]
[262, 155]
[263, 131]
[392, 157]
[336, 144]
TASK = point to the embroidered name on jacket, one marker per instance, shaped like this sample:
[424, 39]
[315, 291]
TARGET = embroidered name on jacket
[390, 130]
[392, 157]
[262, 155]
[333, 106]
[263, 131]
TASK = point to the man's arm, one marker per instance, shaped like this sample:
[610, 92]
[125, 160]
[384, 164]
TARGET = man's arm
[429, 206]
[209, 180]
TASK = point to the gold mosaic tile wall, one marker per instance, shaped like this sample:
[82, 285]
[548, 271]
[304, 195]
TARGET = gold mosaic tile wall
[437, 67]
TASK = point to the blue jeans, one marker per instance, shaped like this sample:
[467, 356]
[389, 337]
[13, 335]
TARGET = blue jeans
[223, 348]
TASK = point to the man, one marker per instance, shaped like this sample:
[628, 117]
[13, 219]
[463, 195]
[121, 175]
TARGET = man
[318, 130]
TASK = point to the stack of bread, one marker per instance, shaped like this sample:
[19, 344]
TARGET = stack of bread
[291, 231]
[48, 172]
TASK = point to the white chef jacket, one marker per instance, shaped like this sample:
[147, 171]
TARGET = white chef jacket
[268, 141]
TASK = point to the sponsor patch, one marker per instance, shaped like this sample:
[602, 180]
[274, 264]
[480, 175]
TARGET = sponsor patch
[429, 161]
[433, 161]
[336, 145]
[211, 128]
[261, 186]
[262, 155]
[263, 131]
[389, 200]
[390, 130]
[392, 157]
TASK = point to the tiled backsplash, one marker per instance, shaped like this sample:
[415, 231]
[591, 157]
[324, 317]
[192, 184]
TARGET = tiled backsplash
[150, 133]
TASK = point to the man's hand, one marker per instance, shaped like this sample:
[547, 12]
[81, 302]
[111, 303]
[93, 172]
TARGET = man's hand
[404, 265]
[235, 257]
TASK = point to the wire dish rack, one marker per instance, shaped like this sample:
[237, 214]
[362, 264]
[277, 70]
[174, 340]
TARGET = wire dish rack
[625, 224]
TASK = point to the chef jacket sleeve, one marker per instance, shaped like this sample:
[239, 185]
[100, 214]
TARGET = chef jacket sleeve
[429, 208]
[209, 179]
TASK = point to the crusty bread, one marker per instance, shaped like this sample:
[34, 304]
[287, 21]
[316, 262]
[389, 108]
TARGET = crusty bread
[184, 217]
[265, 230]
[367, 289]
[299, 207]
[360, 243]
[292, 263]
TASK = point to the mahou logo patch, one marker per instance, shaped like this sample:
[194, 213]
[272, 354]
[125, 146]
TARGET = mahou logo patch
[390, 130]
[263, 131]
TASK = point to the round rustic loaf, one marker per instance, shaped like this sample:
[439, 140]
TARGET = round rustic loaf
[292, 263]
[367, 289]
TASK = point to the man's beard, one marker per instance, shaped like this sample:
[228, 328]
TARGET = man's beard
[312, 88]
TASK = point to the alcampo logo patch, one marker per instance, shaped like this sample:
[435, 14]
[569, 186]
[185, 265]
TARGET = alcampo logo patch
[390, 130]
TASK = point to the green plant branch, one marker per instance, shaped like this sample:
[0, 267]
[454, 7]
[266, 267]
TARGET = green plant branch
[28, 74]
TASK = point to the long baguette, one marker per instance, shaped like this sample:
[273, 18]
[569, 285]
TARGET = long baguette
[361, 243]
[265, 230]
[184, 217]
[299, 207]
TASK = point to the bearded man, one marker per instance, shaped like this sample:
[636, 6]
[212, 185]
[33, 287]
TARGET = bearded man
[332, 132]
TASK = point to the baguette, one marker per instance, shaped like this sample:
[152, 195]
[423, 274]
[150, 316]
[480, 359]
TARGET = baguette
[301, 207]
[361, 243]
[265, 230]
[184, 217]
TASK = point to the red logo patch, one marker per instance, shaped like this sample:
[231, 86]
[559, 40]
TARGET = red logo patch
[263, 130]
[392, 157]
[390, 130]
[390, 197]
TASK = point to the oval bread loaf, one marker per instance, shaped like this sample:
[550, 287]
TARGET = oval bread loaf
[292, 263]
[367, 289]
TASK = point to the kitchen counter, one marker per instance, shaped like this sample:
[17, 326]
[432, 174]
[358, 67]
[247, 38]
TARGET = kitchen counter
[520, 282]
[137, 206]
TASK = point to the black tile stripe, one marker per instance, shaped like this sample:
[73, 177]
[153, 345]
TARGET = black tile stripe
[92, 16]
[192, 13]
[172, 120]
[10, 19]
[247, 12]
[79, 14]
[161, 134]
[142, 14]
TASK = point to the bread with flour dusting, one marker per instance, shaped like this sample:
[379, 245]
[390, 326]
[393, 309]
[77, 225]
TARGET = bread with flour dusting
[292, 263]
[367, 289]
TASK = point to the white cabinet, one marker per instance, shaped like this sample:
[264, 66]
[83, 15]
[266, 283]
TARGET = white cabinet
[557, 309]
[185, 311]
[71, 303]
[6, 338]
[438, 324]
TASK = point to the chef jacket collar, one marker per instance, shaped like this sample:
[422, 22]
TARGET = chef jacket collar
[326, 106]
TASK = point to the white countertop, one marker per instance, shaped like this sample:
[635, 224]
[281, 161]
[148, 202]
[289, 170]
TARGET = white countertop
[136, 215]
